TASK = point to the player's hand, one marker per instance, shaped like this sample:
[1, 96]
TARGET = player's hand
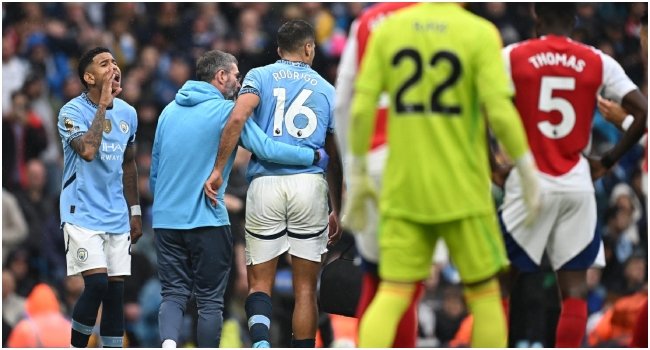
[136, 228]
[108, 94]
[323, 159]
[530, 187]
[335, 230]
[597, 168]
[211, 186]
[360, 191]
[612, 111]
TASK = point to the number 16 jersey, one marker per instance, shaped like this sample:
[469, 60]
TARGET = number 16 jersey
[556, 81]
[296, 107]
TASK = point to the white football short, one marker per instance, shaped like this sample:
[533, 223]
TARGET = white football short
[564, 229]
[88, 249]
[287, 213]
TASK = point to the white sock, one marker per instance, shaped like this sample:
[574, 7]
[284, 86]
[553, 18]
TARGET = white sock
[168, 343]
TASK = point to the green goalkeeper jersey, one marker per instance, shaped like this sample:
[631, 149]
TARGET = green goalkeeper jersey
[441, 66]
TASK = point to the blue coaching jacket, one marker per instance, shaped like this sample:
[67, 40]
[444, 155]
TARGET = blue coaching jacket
[184, 151]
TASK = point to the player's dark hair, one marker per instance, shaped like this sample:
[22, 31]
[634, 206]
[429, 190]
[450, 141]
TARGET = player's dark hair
[294, 34]
[211, 62]
[86, 59]
[552, 13]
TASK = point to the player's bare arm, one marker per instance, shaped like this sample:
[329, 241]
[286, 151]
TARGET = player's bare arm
[244, 107]
[131, 194]
[637, 105]
[335, 182]
[87, 145]
[612, 112]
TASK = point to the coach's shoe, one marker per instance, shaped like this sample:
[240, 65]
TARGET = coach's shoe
[262, 344]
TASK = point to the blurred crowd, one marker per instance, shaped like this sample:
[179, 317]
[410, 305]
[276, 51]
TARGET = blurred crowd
[156, 45]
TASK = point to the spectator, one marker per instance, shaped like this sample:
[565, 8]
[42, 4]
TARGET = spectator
[38, 207]
[54, 35]
[14, 69]
[27, 137]
[44, 326]
[36, 91]
[13, 305]
[14, 226]
[615, 328]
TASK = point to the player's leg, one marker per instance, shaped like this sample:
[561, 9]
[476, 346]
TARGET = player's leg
[266, 240]
[118, 257]
[367, 241]
[368, 248]
[574, 244]
[211, 253]
[524, 244]
[84, 254]
[175, 274]
[305, 312]
[307, 228]
[258, 303]
[477, 249]
[406, 336]
[111, 329]
[573, 317]
[406, 250]
[520, 263]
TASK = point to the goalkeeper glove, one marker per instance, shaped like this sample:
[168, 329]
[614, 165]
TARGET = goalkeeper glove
[528, 174]
[360, 192]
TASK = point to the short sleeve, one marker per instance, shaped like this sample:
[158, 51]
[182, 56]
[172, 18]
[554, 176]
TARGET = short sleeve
[134, 127]
[616, 84]
[252, 83]
[70, 123]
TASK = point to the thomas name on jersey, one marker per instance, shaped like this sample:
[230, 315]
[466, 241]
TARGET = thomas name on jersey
[289, 74]
[555, 59]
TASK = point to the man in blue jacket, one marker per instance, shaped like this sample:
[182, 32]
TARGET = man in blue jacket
[193, 239]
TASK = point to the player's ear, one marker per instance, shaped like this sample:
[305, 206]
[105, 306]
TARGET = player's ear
[221, 76]
[307, 48]
[89, 78]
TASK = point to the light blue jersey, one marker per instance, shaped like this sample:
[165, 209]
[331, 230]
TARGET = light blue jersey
[296, 107]
[187, 138]
[92, 195]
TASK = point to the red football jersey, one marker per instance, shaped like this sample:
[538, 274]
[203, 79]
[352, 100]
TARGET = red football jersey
[556, 82]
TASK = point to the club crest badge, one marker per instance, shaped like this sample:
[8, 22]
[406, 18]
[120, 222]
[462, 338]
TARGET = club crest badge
[124, 127]
[82, 254]
[107, 126]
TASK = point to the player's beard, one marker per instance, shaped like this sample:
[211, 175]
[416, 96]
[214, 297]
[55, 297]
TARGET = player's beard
[231, 90]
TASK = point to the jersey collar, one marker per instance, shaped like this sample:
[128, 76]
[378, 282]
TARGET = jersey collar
[85, 97]
[294, 63]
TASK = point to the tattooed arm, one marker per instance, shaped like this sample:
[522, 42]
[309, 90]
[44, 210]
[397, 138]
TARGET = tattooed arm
[88, 144]
[131, 194]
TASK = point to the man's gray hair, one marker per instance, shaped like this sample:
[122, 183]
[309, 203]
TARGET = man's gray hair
[211, 62]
